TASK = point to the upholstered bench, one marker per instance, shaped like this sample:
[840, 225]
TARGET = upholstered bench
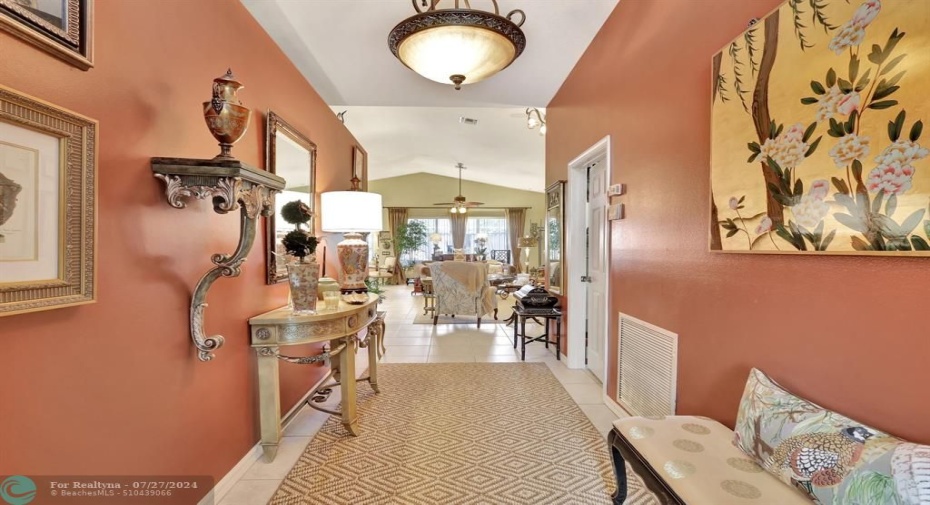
[784, 450]
[686, 459]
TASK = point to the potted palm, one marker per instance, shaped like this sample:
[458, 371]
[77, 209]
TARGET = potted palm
[303, 275]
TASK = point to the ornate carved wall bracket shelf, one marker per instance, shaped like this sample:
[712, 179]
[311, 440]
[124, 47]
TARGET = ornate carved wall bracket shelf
[230, 184]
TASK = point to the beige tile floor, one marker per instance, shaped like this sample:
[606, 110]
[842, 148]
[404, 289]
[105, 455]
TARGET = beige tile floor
[419, 343]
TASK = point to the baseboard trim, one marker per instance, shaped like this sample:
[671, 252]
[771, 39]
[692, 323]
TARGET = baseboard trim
[254, 454]
[615, 407]
[232, 477]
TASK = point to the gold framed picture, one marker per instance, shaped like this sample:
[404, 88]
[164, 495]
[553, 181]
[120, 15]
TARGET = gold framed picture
[63, 28]
[555, 219]
[817, 132]
[48, 205]
[358, 166]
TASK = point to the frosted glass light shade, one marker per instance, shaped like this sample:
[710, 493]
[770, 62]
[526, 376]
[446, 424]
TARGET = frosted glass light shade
[350, 211]
[441, 52]
[458, 46]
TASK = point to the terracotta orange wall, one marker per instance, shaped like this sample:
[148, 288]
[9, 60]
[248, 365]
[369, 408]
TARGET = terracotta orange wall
[847, 332]
[114, 387]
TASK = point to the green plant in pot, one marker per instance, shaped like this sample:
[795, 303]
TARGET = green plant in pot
[410, 237]
[375, 288]
[302, 275]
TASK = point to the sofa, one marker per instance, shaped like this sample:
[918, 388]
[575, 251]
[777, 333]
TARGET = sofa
[421, 269]
[784, 450]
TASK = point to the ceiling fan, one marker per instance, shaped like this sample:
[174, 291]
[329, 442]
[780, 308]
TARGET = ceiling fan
[458, 204]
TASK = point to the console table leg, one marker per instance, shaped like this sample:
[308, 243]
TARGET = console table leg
[347, 380]
[374, 342]
[382, 329]
[269, 452]
[269, 400]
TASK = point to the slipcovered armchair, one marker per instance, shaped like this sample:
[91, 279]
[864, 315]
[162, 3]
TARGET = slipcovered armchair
[462, 288]
[499, 268]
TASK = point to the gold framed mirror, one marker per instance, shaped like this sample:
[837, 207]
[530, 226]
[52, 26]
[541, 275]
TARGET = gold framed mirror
[555, 238]
[291, 155]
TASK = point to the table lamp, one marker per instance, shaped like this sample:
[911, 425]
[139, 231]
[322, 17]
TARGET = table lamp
[526, 243]
[351, 213]
[435, 239]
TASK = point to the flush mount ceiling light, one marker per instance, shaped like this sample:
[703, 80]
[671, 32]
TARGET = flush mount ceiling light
[457, 45]
[535, 118]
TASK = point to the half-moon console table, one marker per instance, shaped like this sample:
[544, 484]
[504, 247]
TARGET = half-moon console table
[339, 327]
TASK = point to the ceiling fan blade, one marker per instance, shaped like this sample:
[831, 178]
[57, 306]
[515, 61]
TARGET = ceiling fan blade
[444, 203]
[473, 204]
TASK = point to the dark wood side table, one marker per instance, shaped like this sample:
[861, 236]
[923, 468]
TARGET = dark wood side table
[522, 314]
[504, 290]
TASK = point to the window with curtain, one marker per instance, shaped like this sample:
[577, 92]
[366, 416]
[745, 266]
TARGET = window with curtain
[494, 227]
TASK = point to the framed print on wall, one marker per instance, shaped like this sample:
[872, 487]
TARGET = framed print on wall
[358, 167]
[385, 244]
[63, 28]
[47, 205]
[817, 131]
[555, 239]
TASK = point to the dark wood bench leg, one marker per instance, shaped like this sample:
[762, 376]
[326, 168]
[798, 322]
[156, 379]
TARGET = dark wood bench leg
[622, 453]
[616, 460]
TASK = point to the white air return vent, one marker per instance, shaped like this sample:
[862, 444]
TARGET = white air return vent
[647, 365]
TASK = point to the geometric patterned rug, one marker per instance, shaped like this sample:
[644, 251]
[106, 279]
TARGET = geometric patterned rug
[459, 433]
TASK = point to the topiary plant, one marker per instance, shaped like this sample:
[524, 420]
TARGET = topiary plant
[299, 243]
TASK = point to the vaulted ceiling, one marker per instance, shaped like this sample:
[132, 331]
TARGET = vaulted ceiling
[340, 46]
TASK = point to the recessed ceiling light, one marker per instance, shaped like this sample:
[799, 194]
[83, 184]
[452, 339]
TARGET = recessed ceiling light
[468, 120]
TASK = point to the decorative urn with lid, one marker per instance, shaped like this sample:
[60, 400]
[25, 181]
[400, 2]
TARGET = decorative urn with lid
[226, 117]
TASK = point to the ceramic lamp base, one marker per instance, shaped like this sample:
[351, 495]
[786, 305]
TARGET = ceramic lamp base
[353, 260]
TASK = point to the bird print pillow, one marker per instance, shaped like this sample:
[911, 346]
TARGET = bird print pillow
[835, 460]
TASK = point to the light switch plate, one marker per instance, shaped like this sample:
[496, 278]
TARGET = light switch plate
[615, 212]
[616, 190]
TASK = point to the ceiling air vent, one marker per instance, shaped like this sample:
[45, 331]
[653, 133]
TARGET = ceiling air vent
[468, 120]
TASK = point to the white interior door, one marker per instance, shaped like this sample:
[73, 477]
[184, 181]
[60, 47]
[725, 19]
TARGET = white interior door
[598, 269]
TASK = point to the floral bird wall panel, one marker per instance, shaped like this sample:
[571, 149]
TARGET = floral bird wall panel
[818, 140]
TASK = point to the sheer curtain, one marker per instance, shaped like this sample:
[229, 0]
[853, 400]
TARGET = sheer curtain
[397, 216]
[459, 223]
[516, 220]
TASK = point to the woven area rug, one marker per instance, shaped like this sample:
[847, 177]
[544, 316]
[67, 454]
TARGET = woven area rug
[459, 433]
